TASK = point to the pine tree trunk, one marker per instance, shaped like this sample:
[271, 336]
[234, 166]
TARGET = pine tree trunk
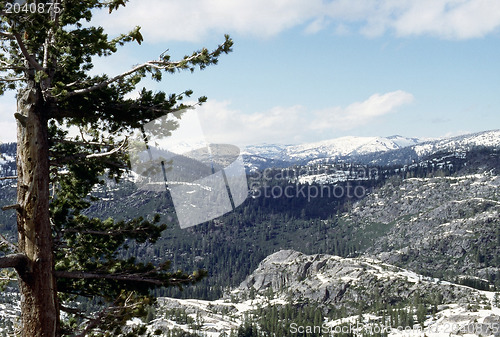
[39, 307]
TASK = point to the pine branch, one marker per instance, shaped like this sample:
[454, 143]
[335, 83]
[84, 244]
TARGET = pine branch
[115, 277]
[158, 108]
[139, 278]
[26, 53]
[159, 65]
[105, 233]
[80, 143]
[17, 261]
[74, 311]
[109, 81]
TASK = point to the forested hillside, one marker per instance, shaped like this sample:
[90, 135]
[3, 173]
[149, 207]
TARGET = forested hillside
[230, 247]
[437, 217]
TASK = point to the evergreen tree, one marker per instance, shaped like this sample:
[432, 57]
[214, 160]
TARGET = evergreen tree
[46, 55]
[421, 314]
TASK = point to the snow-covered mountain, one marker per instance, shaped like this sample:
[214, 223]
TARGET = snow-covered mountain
[459, 143]
[394, 150]
[327, 281]
[377, 150]
[7, 160]
[347, 146]
[332, 149]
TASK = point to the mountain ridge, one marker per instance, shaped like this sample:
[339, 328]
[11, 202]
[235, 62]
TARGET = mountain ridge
[391, 150]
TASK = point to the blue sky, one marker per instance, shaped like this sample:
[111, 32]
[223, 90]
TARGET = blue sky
[308, 70]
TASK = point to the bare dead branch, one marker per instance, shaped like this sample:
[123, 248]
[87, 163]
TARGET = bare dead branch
[81, 134]
[109, 311]
[10, 67]
[16, 207]
[4, 65]
[46, 45]
[12, 79]
[7, 178]
[8, 36]
[109, 153]
[5, 242]
[94, 322]
[47, 58]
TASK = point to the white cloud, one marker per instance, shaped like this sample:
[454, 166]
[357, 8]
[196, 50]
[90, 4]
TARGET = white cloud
[454, 19]
[194, 20]
[293, 124]
[317, 25]
[361, 113]
[224, 124]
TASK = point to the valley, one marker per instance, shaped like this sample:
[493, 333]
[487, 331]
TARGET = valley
[418, 248]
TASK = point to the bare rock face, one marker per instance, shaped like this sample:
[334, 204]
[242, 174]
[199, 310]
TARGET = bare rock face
[335, 281]
[436, 226]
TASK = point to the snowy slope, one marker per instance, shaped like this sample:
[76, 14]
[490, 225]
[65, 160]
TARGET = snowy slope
[295, 276]
[464, 142]
[380, 150]
[337, 148]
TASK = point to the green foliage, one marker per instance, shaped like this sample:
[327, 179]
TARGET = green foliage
[281, 320]
[474, 282]
[53, 52]
[496, 300]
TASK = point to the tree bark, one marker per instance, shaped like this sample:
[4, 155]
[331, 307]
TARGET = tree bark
[39, 305]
